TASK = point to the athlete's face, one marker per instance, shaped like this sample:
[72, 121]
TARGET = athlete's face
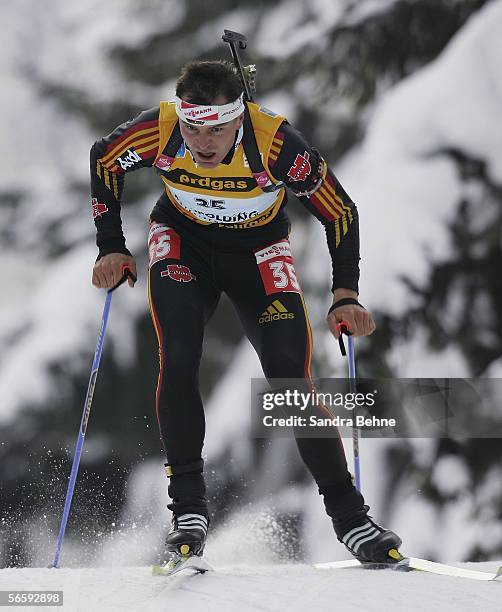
[210, 144]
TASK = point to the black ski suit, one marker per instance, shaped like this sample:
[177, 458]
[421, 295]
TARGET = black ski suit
[201, 244]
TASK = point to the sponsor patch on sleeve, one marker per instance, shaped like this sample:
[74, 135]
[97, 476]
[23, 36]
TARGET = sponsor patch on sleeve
[301, 167]
[128, 159]
[98, 208]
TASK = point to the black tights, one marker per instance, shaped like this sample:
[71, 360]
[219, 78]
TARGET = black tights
[185, 282]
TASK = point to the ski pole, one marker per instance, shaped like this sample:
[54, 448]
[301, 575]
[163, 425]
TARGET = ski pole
[126, 272]
[344, 328]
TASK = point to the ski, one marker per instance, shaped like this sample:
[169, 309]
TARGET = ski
[408, 564]
[195, 564]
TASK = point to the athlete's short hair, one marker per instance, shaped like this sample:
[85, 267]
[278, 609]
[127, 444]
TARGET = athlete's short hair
[201, 82]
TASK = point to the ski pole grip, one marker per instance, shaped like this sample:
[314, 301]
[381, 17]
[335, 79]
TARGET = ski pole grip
[126, 273]
[343, 328]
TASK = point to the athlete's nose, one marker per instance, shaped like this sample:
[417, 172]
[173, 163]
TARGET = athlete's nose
[203, 142]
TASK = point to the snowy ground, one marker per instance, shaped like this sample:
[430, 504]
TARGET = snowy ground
[295, 588]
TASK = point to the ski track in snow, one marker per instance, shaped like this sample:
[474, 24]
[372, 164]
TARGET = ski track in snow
[293, 588]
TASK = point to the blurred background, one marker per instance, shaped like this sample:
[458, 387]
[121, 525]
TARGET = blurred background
[403, 99]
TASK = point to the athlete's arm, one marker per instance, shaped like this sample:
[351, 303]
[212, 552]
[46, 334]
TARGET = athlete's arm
[130, 146]
[302, 169]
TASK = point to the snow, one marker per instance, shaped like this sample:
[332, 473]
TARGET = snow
[274, 37]
[295, 588]
[311, 22]
[228, 421]
[401, 185]
[61, 298]
[360, 11]
[408, 186]
[450, 475]
[431, 109]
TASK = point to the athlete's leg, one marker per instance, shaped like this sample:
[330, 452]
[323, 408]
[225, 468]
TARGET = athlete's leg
[265, 291]
[182, 298]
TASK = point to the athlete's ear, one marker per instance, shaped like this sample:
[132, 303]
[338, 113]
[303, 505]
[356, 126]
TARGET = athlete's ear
[240, 120]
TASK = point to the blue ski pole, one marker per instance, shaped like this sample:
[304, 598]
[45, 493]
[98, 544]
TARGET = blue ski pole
[344, 328]
[126, 272]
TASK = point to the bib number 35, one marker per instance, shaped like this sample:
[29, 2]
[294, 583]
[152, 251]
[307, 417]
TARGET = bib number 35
[284, 275]
[277, 269]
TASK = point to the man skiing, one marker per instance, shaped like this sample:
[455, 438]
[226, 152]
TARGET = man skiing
[220, 225]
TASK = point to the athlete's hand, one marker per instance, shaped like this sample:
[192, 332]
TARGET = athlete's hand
[359, 319]
[108, 270]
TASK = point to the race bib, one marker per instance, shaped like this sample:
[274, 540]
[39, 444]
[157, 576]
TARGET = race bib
[163, 243]
[277, 269]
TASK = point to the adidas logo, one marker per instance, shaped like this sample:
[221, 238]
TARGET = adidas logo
[275, 312]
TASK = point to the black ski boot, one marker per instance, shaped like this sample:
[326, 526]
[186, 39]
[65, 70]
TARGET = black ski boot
[187, 490]
[187, 535]
[372, 543]
[367, 541]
